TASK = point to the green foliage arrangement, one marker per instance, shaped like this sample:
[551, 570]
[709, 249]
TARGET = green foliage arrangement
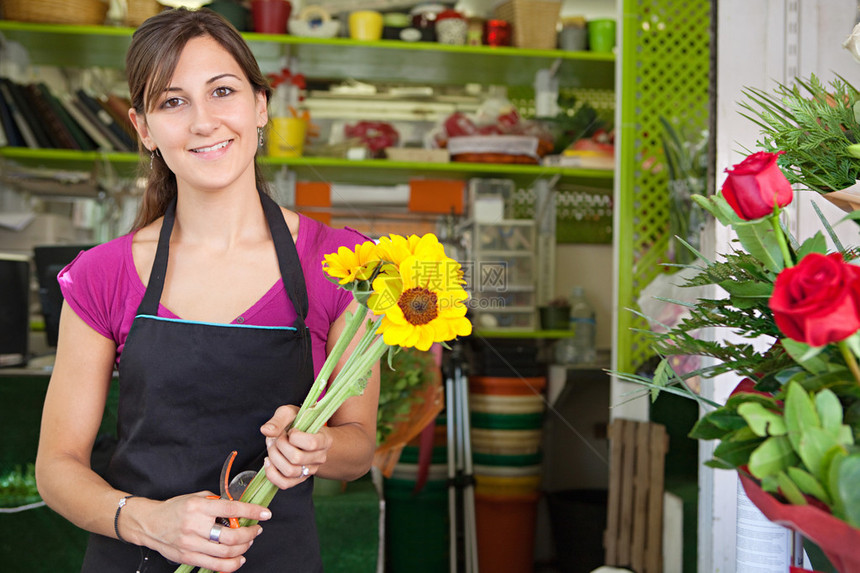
[794, 423]
[816, 125]
[686, 157]
[18, 487]
[400, 384]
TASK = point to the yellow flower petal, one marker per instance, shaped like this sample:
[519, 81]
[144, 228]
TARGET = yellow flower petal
[395, 335]
[425, 338]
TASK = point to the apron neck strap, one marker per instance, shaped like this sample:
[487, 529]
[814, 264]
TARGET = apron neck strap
[152, 296]
[288, 259]
[285, 248]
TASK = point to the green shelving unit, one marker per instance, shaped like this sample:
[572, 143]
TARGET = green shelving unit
[367, 171]
[335, 58]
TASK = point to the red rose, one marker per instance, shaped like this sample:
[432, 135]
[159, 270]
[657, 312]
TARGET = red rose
[755, 185]
[818, 301]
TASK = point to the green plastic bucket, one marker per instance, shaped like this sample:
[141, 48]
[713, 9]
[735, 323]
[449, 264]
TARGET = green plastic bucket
[410, 455]
[416, 527]
[482, 459]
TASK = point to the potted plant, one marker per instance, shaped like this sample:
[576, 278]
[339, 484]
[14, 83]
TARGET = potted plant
[555, 315]
[410, 398]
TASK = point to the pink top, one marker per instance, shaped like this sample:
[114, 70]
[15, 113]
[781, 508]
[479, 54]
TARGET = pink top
[103, 288]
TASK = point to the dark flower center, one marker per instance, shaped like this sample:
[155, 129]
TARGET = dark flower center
[418, 305]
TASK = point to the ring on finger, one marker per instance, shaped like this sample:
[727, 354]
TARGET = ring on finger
[305, 471]
[215, 533]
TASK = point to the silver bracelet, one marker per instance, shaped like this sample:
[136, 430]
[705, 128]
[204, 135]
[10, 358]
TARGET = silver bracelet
[119, 507]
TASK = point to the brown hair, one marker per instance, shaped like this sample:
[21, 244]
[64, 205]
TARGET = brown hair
[150, 63]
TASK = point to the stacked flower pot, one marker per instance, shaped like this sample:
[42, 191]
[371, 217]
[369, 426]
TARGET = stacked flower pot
[506, 416]
[416, 515]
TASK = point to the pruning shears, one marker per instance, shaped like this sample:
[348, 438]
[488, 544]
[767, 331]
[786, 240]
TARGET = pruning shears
[232, 489]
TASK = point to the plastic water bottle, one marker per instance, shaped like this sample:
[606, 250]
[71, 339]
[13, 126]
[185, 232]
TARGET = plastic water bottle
[578, 348]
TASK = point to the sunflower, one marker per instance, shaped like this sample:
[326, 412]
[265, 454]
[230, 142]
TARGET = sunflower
[422, 301]
[352, 265]
[396, 248]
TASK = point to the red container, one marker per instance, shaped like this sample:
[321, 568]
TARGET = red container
[271, 16]
[506, 386]
[497, 33]
[505, 528]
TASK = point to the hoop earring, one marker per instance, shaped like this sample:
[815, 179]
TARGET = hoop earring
[260, 134]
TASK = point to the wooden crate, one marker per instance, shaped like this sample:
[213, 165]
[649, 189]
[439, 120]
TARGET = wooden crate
[634, 530]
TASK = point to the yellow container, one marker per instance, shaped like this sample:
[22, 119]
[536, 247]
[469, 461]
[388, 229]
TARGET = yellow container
[287, 137]
[365, 25]
[507, 486]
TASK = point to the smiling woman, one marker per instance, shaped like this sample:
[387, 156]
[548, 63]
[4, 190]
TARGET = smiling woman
[204, 309]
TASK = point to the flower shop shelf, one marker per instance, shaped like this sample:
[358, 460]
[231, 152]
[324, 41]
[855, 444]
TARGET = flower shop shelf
[336, 58]
[368, 171]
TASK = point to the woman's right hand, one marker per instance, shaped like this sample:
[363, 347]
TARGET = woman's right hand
[179, 529]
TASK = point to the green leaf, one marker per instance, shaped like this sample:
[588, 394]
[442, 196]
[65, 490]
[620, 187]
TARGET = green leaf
[788, 489]
[849, 488]
[706, 429]
[762, 421]
[800, 414]
[814, 448]
[815, 244]
[735, 453]
[662, 376]
[759, 240]
[717, 206]
[853, 341]
[738, 398]
[716, 424]
[829, 410]
[834, 463]
[720, 465]
[808, 484]
[827, 227]
[392, 352]
[772, 456]
[747, 289]
[770, 484]
[805, 355]
[853, 150]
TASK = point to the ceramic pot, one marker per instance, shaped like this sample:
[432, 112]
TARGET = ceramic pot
[270, 16]
[451, 28]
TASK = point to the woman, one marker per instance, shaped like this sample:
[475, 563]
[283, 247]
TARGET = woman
[211, 356]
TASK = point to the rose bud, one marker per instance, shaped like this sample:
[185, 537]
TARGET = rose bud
[756, 185]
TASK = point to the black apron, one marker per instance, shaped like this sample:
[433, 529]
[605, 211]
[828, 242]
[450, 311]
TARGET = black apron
[192, 392]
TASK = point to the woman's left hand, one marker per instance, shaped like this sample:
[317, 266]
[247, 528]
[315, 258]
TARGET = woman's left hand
[293, 455]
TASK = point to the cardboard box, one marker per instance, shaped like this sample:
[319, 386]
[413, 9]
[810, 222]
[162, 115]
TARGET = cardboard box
[436, 196]
[313, 199]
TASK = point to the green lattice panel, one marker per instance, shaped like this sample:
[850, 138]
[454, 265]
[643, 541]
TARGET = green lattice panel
[665, 67]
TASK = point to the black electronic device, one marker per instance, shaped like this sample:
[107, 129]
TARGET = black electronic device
[14, 309]
[50, 260]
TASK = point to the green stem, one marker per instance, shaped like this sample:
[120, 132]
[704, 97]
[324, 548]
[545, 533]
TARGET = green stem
[850, 360]
[363, 344]
[353, 386]
[353, 323]
[780, 239]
